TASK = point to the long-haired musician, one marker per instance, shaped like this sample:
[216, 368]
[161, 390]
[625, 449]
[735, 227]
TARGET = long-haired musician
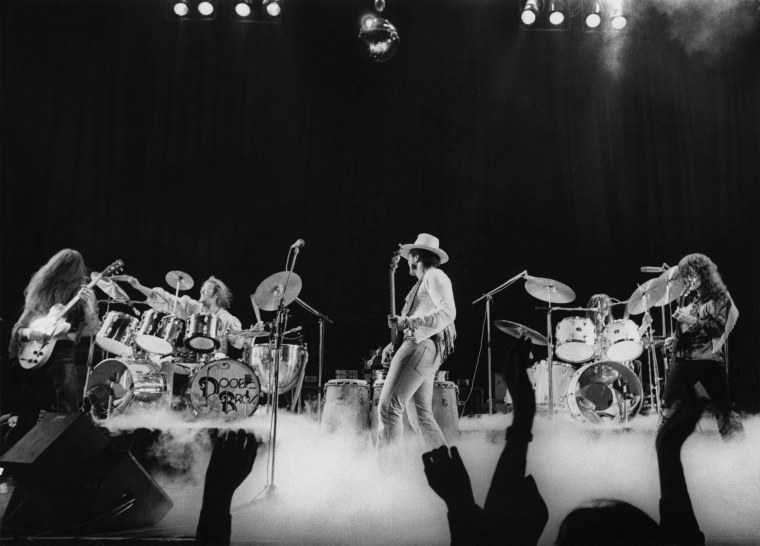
[53, 386]
[427, 322]
[705, 317]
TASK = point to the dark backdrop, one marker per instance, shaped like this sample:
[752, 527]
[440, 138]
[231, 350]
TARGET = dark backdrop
[211, 146]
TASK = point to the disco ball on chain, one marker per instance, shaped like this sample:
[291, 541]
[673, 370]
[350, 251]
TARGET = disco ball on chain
[378, 38]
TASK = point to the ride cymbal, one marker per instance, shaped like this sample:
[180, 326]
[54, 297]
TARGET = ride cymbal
[179, 280]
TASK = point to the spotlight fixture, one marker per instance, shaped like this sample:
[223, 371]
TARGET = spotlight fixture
[378, 37]
[180, 8]
[243, 8]
[530, 12]
[618, 18]
[557, 9]
[272, 7]
[594, 15]
[206, 8]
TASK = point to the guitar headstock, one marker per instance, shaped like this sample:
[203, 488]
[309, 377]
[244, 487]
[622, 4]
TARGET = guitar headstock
[395, 259]
[114, 268]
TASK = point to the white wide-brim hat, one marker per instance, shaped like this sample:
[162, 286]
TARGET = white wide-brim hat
[425, 241]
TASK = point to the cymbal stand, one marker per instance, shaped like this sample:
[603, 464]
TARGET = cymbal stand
[489, 297]
[321, 319]
[550, 354]
[654, 371]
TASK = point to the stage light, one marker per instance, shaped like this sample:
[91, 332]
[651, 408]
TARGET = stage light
[379, 38]
[205, 8]
[272, 7]
[180, 8]
[557, 12]
[243, 9]
[594, 16]
[530, 12]
[619, 20]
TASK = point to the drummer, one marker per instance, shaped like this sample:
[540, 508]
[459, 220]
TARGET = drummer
[599, 311]
[215, 298]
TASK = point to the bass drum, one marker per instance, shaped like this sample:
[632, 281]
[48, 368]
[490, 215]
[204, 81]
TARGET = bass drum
[561, 375]
[604, 392]
[123, 384]
[226, 389]
[347, 406]
[292, 360]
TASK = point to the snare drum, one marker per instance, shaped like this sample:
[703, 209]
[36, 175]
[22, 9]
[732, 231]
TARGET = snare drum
[204, 333]
[347, 406]
[128, 384]
[292, 359]
[224, 388]
[604, 392]
[623, 341]
[575, 339]
[117, 333]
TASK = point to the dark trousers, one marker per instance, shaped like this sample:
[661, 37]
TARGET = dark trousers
[711, 374]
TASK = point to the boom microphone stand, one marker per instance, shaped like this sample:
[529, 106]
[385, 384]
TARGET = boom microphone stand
[489, 297]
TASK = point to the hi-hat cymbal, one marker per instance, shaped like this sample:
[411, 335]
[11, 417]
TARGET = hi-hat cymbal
[111, 289]
[269, 292]
[517, 330]
[674, 286]
[179, 280]
[549, 290]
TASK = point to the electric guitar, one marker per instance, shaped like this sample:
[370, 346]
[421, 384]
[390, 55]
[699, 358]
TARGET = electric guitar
[36, 352]
[680, 327]
[396, 339]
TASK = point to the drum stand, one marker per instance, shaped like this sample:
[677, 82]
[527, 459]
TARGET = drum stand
[321, 319]
[489, 297]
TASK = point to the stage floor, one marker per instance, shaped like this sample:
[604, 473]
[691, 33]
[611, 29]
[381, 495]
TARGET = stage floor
[337, 489]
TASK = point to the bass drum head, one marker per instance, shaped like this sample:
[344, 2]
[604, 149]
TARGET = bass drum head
[226, 389]
[604, 392]
[124, 383]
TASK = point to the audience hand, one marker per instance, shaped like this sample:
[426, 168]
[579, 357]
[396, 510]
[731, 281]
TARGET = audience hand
[231, 461]
[448, 477]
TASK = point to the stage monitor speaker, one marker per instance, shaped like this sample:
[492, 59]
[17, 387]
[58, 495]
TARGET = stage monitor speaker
[71, 483]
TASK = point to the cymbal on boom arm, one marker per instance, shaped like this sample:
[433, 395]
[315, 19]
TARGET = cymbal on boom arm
[548, 290]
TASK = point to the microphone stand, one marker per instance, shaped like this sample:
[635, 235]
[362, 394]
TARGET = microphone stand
[489, 298]
[281, 321]
[321, 319]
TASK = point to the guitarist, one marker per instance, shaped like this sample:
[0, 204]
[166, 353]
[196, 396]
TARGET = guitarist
[427, 327]
[705, 317]
[52, 387]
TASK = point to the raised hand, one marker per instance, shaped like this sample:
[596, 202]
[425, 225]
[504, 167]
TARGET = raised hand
[231, 461]
[448, 477]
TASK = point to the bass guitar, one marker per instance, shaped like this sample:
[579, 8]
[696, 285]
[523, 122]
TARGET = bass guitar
[396, 339]
[36, 352]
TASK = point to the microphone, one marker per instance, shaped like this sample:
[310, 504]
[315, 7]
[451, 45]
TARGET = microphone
[298, 244]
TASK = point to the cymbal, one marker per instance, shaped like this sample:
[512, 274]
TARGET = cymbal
[179, 280]
[518, 330]
[674, 286]
[111, 289]
[645, 296]
[549, 290]
[269, 292]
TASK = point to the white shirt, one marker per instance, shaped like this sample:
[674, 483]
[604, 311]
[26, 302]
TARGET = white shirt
[433, 309]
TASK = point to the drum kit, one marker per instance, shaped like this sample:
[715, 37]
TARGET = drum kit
[592, 369]
[149, 352]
